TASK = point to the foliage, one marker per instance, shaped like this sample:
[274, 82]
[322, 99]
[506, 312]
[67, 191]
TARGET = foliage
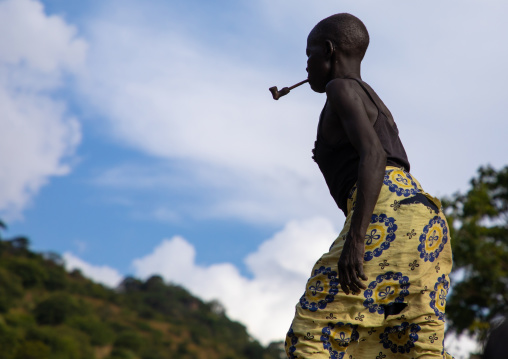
[129, 340]
[55, 309]
[46, 312]
[33, 349]
[10, 290]
[100, 333]
[479, 229]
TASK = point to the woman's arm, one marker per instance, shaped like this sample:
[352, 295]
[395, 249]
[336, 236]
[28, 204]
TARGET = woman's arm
[348, 106]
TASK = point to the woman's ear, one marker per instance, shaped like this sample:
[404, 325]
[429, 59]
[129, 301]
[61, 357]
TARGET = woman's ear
[329, 48]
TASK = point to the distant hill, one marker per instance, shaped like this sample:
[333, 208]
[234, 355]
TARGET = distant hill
[48, 313]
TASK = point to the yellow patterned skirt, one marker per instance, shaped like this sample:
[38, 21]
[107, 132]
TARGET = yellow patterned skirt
[401, 313]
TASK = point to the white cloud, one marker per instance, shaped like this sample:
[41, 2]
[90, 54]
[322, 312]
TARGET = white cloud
[461, 346]
[81, 246]
[37, 133]
[220, 121]
[101, 274]
[218, 192]
[178, 96]
[44, 43]
[421, 63]
[280, 268]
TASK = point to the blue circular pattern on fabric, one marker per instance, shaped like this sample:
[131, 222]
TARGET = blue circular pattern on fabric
[388, 235]
[438, 297]
[292, 345]
[399, 297]
[400, 182]
[405, 329]
[340, 335]
[431, 237]
[328, 281]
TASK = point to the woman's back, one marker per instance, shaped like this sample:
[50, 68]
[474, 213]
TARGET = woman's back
[337, 158]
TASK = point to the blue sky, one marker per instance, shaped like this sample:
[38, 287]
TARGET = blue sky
[140, 137]
[60, 217]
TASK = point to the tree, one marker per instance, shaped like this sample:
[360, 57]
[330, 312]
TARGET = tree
[478, 223]
[33, 350]
[2, 226]
[55, 309]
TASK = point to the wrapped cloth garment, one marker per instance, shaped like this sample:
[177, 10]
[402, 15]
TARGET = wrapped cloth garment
[407, 261]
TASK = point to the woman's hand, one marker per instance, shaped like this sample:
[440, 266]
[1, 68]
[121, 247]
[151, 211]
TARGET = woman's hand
[351, 265]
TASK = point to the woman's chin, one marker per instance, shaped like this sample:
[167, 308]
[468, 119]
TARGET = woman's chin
[318, 89]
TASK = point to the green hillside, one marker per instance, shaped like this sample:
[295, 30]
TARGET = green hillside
[46, 312]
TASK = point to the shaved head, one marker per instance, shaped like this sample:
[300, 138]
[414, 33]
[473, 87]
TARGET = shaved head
[345, 31]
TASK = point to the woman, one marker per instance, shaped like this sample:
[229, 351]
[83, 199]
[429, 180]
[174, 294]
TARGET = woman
[380, 291]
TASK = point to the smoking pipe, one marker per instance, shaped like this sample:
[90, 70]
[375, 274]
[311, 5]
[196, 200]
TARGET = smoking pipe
[285, 90]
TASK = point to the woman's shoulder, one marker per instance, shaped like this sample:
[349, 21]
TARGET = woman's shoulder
[339, 85]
